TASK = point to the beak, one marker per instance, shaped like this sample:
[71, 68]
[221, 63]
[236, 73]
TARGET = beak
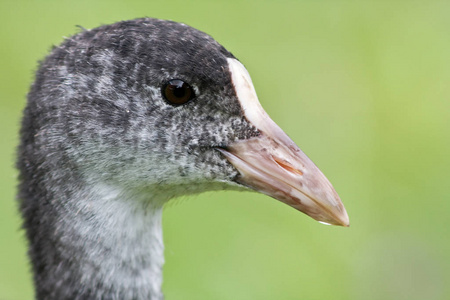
[274, 165]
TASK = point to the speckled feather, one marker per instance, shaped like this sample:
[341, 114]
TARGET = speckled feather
[101, 150]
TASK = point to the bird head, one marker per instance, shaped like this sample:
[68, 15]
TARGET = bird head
[155, 105]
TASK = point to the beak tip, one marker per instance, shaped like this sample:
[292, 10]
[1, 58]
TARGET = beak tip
[344, 220]
[334, 217]
[341, 217]
[345, 223]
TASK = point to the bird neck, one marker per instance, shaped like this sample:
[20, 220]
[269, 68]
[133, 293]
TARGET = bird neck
[110, 247]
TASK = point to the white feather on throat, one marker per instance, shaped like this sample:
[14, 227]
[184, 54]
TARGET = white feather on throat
[121, 239]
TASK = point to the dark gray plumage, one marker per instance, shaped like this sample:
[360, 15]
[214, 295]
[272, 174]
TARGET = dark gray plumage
[102, 150]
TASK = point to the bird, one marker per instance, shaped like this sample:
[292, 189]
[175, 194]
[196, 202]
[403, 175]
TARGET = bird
[119, 120]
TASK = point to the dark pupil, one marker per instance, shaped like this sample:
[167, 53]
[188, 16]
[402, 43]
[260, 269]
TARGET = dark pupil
[179, 90]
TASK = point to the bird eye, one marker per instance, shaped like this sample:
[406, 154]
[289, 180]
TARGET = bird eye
[177, 92]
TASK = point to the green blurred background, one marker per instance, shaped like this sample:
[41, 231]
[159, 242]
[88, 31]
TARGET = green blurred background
[362, 86]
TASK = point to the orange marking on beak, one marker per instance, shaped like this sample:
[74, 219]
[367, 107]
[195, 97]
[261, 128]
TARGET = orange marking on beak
[287, 166]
